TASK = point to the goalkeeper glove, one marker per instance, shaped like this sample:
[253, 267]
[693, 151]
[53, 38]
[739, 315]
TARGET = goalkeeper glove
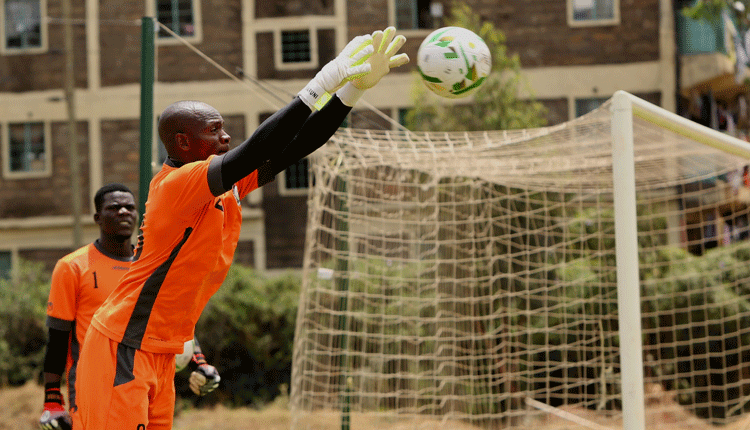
[55, 416]
[204, 379]
[382, 60]
[350, 63]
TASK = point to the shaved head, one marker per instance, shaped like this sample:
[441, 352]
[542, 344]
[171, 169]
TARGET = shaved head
[187, 117]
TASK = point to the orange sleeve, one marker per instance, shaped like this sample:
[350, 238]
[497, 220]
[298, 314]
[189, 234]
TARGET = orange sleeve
[248, 184]
[62, 303]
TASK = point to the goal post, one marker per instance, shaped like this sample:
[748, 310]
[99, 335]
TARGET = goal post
[595, 269]
[626, 252]
[624, 107]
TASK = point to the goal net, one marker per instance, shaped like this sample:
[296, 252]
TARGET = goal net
[473, 281]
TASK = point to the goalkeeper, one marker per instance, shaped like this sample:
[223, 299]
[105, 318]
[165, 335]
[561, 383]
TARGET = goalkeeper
[81, 281]
[190, 231]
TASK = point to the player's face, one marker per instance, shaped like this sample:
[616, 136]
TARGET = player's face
[206, 136]
[118, 216]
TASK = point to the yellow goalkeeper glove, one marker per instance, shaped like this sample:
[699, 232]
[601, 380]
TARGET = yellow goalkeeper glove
[350, 63]
[386, 44]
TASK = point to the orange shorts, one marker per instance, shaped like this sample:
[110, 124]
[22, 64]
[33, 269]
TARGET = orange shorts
[119, 387]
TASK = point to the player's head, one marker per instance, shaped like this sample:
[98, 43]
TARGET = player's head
[192, 130]
[116, 213]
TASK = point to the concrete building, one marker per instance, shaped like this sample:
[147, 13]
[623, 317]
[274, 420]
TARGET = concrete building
[575, 54]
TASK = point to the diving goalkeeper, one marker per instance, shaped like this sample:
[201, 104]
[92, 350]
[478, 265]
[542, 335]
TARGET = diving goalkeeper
[190, 231]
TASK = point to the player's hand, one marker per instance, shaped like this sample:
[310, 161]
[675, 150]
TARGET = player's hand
[55, 416]
[384, 58]
[204, 379]
[349, 64]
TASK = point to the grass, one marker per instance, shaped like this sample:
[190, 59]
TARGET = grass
[22, 407]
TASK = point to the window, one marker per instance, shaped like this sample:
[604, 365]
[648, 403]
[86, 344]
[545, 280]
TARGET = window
[179, 16]
[417, 14]
[5, 264]
[28, 150]
[584, 106]
[295, 46]
[22, 25]
[296, 179]
[296, 49]
[593, 12]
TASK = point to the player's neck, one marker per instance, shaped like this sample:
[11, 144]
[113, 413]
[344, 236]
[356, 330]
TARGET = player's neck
[116, 247]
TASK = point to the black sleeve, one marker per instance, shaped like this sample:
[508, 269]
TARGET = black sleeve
[268, 140]
[314, 133]
[287, 136]
[57, 351]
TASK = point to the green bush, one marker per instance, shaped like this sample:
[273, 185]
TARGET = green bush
[247, 332]
[23, 334]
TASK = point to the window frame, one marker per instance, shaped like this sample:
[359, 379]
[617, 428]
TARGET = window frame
[615, 20]
[415, 32]
[279, 54]
[288, 192]
[43, 32]
[197, 36]
[46, 172]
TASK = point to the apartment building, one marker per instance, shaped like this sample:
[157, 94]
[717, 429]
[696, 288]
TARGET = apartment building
[575, 54]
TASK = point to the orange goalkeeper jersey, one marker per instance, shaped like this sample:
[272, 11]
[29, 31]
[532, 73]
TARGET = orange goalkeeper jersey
[187, 243]
[81, 281]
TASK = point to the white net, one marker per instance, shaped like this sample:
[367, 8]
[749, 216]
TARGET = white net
[468, 280]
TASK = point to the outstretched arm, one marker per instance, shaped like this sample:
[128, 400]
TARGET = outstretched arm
[270, 139]
[321, 125]
[314, 133]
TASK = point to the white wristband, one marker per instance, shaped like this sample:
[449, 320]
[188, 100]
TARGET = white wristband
[312, 93]
[349, 94]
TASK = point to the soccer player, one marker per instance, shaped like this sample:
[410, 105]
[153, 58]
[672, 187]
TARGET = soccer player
[190, 232]
[81, 281]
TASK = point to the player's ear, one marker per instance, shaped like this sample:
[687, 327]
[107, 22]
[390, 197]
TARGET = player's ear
[97, 219]
[182, 141]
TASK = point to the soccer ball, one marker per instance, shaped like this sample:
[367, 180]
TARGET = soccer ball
[453, 62]
[182, 360]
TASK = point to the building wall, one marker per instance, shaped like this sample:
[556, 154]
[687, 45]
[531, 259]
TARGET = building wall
[49, 194]
[120, 153]
[560, 62]
[284, 8]
[45, 71]
[541, 35]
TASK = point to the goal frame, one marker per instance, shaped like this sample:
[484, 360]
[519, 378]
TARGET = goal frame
[484, 268]
[625, 106]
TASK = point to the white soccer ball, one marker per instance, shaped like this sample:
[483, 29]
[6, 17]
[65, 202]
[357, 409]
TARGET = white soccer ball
[183, 359]
[453, 62]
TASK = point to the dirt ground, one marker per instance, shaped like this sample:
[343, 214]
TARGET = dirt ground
[20, 409]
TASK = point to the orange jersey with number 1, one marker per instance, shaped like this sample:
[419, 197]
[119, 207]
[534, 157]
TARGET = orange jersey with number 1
[187, 242]
[81, 281]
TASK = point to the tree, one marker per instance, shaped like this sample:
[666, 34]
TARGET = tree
[711, 10]
[496, 106]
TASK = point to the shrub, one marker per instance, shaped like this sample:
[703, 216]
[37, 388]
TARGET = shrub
[23, 334]
[247, 332]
